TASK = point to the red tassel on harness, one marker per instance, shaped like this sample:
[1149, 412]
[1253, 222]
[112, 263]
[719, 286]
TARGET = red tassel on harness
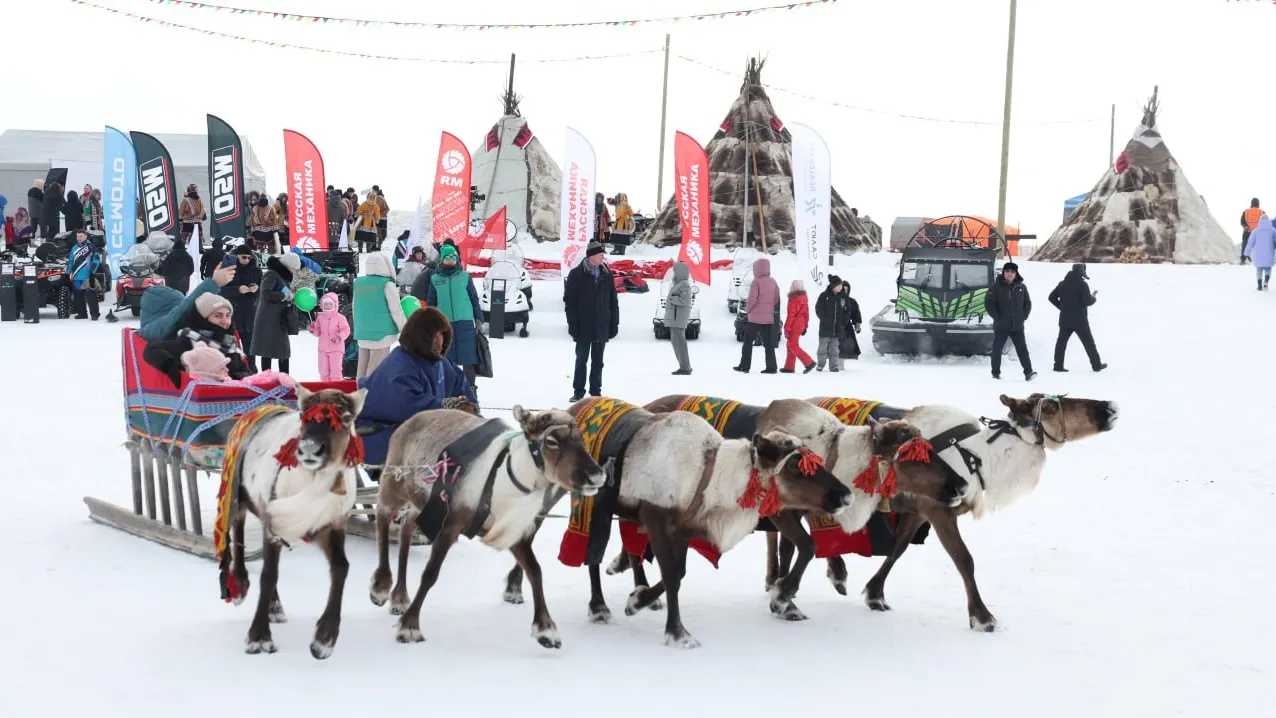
[868, 478]
[888, 489]
[287, 454]
[319, 413]
[809, 462]
[916, 450]
[752, 490]
[770, 502]
[354, 450]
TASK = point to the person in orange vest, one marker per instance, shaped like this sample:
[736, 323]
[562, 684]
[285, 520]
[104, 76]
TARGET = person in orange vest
[1249, 222]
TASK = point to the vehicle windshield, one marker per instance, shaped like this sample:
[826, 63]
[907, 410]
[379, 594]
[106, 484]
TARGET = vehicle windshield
[140, 256]
[930, 275]
[743, 260]
[968, 276]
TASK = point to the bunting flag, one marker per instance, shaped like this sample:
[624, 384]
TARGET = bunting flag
[366, 56]
[297, 17]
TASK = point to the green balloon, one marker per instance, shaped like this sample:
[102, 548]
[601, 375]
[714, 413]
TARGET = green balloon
[305, 299]
[410, 304]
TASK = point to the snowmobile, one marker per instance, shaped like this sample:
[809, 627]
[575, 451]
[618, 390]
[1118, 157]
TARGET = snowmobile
[518, 303]
[741, 277]
[939, 306]
[658, 322]
[139, 271]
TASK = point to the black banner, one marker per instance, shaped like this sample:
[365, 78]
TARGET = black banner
[156, 184]
[225, 180]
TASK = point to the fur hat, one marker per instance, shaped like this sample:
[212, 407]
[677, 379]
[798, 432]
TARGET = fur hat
[1010, 267]
[206, 304]
[204, 363]
[417, 337]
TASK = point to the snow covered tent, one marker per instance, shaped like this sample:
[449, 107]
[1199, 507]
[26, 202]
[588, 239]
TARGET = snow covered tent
[752, 128]
[26, 155]
[1143, 205]
[514, 170]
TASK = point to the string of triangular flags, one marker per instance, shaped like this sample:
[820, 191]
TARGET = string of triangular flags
[299, 17]
[345, 53]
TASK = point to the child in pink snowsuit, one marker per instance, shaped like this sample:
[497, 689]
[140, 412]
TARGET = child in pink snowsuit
[333, 330]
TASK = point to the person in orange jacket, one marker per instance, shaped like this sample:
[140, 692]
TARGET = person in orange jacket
[795, 324]
[1249, 222]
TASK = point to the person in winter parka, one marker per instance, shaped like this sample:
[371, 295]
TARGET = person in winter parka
[73, 211]
[795, 324]
[1260, 250]
[212, 258]
[830, 310]
[35, 204]
[414, 377]
[52, 209]
[84, 262]
[270, 326]
[378, 312]
[761, 308]
[678, 315]
[333, 330]
[593, 317]
[242, 292]
[164, 307]
[1073, 299]
[207, 323]
[1009, 305]
[452, 291]
[177, 266]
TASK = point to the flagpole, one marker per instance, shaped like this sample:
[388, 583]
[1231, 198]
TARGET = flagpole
[1005, 130]
[664, 106]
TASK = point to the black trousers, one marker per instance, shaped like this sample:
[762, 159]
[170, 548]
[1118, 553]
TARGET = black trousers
[751, 333]
[999, 337]
[383, 226]
[1087, 341]
[590, 353]
[283, 365]
[78, 299]
[1244, 241]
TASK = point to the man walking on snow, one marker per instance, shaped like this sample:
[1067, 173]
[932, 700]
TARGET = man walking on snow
[1009, 305]
[1249, 222]
[1073, 299]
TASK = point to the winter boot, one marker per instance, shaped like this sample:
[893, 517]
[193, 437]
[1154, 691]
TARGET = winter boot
[1260, 288]
[1060, 369]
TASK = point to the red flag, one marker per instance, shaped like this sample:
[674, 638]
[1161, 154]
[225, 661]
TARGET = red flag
[307, 205]
[691, 170]
[491, 236]
[450, 202]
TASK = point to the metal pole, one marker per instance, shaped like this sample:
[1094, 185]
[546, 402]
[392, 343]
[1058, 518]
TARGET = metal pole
[744, 238]
[1005, 129]
[664, 104]
[1112, 137]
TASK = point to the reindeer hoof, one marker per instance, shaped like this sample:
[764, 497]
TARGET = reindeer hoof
[620, 564]
[788, 611]
[656, 605]
[600, 615]
[987, 626]
[514, 596]
[263, 646]
[398, 605]
[409, 635]
[378, 600]
[547, 637]
[878, 604]
[634, 604]
[277, 615]
[838, 580]
[686, 640]
[320, 650]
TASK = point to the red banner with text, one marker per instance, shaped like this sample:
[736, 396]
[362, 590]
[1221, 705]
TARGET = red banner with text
[489, 235]
[691, 172]
[450, 201]
[307, 207]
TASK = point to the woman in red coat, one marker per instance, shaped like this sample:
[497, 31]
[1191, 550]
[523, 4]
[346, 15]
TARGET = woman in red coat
[799, 316]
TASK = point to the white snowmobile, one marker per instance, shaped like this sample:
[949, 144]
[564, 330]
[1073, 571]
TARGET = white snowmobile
[741, 277]
[507, 266]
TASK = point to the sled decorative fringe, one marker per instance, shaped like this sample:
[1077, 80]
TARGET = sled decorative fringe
[766, 500]
[634, 540]
[228, 494]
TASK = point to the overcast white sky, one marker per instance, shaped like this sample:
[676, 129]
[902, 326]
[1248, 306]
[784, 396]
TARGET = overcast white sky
[379, 121]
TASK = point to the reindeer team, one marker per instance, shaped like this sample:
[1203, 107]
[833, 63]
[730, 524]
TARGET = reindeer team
[682, 481]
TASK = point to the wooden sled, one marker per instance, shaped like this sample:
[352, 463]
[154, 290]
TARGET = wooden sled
[174, 435]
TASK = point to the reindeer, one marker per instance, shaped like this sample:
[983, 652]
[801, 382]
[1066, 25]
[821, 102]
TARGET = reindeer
[498, 495]
[298, 476]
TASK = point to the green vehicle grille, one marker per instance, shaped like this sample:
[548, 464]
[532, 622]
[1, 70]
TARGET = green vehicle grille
[941, 305]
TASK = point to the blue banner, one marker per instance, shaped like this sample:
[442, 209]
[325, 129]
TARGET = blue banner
[119, 196]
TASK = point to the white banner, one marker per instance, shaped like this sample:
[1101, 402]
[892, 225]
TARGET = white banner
[813, 200]
[576, 213]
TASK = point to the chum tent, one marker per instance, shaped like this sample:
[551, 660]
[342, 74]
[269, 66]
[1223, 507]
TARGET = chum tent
[753, 130]
[27, 155]
[514, 170]
[1142, 209]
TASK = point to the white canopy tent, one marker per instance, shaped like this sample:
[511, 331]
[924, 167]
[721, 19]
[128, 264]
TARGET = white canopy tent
[27, 155]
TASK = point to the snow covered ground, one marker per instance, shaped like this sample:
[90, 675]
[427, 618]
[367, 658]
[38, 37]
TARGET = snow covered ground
[1136, 581]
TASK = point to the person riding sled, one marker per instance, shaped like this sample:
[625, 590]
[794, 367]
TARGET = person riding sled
[415, 377]
[206, 323]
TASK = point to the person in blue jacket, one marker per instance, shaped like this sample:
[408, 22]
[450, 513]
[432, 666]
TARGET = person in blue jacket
[414, 377]
[164, 307]
[83, 264]
[306, 261]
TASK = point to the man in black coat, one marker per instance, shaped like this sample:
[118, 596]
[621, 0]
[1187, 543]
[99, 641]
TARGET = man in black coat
[1073, 299]
[1009, 305]
[593, 317]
